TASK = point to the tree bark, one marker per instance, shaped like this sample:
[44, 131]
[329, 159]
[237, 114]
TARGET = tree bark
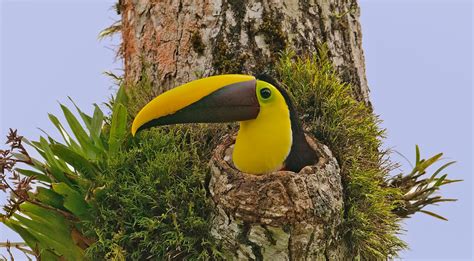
[277, 216]
[178, 40]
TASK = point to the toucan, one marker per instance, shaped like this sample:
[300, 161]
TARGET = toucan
[270, 137]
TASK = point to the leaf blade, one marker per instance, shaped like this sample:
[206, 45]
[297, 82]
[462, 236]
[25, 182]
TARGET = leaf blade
[118, 128]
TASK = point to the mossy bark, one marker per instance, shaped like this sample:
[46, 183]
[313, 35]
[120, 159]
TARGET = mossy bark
[282, 215]
[178, 41]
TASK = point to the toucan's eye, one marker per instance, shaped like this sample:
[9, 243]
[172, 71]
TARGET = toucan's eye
[265, 93]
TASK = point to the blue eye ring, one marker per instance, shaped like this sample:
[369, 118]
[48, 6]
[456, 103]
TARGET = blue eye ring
[265, 93]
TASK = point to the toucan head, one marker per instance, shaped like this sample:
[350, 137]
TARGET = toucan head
[222, 98]
[268, 119]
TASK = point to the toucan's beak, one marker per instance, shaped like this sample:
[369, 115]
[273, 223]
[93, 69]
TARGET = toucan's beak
[222, 98]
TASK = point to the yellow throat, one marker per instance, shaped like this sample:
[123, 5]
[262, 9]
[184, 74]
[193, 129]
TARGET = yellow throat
[264, 143]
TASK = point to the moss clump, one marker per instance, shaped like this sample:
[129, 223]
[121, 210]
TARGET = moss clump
[225, 60]
[239, 9]
[352, 132]
[153, 202]
[198, 44]
[271, 29]
[227, 52]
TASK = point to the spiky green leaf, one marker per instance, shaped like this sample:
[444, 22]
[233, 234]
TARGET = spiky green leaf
[88, 146]
[50, 198]
[85, 118]
[417, 152]
[38, 175]
[118, 128]
[79, 163]
[96, 127]
[425, 164]
[441, 169]
[440, 180]
[120, 98]
[433, 214]
[66, 137]
[73, 200]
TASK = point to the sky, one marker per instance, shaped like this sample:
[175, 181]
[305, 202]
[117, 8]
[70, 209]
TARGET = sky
[419, 67]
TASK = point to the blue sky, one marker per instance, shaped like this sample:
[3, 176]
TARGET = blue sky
[419, 67]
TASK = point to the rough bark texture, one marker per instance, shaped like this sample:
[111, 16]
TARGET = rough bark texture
[179, 40]
[278, 216]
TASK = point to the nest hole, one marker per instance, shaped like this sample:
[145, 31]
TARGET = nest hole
[280, 197]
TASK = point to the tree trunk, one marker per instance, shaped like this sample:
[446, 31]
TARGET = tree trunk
[282, 215]
[178, 41]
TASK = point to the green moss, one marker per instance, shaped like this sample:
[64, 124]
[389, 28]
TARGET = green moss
[153, 201]
[226, 60]
[352, 132]
[227, 50]
[274, 35]
[198, 44]
[239, 9]
[227, 55]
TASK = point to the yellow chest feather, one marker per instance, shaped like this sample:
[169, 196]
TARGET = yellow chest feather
[263, 144]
